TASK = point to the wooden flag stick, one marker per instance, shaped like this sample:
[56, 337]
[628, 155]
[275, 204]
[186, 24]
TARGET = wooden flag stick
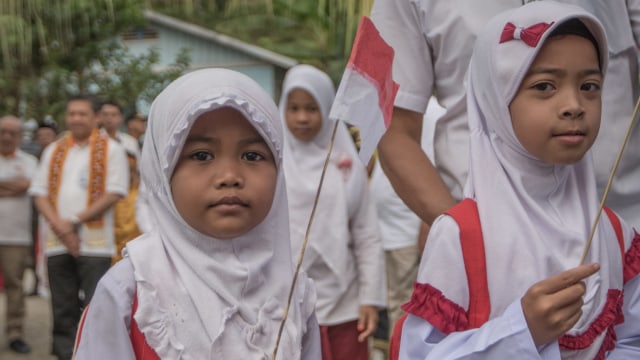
[606, 190]
[304, 243]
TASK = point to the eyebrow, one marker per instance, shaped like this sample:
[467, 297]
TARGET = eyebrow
[560, 72]
[253, 140]
[213, 140]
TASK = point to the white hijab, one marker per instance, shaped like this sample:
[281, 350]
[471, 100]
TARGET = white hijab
[201, 297]
[342, 188]
[535, 217]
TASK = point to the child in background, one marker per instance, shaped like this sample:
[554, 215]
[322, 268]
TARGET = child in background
[344, 256]
[211, 280]
[124, 211]
[499, 277]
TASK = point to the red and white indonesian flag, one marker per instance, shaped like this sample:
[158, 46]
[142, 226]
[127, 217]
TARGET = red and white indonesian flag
[367, 90]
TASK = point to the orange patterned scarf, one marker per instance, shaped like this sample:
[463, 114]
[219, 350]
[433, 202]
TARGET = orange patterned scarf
[99, 145]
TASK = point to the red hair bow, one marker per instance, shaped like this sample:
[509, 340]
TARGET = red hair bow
[530, 35]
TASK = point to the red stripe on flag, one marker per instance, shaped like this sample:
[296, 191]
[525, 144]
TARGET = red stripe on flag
[372, 58]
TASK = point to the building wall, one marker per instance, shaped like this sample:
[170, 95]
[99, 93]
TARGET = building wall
[204, 54]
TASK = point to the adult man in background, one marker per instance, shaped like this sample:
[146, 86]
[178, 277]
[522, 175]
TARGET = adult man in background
[111, 119]
[46, 133]
[136, 125]
[16, 170]
[79, 179]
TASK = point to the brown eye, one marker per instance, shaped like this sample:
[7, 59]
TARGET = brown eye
[201, 156]
[252, 156]
[544, 86]
[590, 87]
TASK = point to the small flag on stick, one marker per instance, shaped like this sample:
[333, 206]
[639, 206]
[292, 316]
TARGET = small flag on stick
[367, 90]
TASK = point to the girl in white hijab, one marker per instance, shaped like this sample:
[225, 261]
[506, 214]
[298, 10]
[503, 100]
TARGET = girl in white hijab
[344, 256]
[211, 280]
[509, 286]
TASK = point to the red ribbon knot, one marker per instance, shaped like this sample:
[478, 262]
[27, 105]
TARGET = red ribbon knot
[530, 35]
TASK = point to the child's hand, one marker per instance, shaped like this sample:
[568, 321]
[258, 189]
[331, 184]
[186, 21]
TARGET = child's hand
[367, 322]
[552, 306]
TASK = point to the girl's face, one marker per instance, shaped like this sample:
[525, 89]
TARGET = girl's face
[556, 111]
[303, 116]
[224, 182]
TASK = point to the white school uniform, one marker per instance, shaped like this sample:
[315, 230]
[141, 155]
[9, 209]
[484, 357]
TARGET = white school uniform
[535, 220]
[344, 255]
[201, 297]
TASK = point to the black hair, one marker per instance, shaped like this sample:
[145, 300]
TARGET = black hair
[135, 116]
[578, 28]
[88, 98]
[46, 123]
[112, 103]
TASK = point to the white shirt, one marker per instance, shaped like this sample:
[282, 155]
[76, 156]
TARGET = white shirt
[129, 143]
[399, 225]
[15, 211]
[507, 335]
[433, 41]
[110, 313]
[72, 195]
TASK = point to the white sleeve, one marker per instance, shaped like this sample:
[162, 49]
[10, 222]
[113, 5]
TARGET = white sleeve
[105, 331]
[368, 251]
[400, 27]
[311, 348]
[39, 181]
[117, 170]
[504, 337]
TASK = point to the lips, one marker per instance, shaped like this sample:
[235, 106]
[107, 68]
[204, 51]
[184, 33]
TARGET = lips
[571, 138]
[230, 201]
[571, 133]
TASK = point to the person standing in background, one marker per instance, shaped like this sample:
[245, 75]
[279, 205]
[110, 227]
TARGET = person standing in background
[136, 125]
[16, 170]
[344, 255]
[46, 133]
[400, 228]
[79, 179]
[111, 119]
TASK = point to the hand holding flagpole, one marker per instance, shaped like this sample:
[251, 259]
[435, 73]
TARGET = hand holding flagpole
[365, 99]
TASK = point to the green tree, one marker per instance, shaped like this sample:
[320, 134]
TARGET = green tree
[129, 79]
[44, 41]
[115, 75]
[319, 32]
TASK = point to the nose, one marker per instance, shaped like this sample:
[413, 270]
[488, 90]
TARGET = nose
[300, 116]
[572, 107]
[229, 176]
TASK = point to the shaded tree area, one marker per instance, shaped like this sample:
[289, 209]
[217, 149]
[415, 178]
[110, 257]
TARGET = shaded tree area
[50, 49]
[317, 32]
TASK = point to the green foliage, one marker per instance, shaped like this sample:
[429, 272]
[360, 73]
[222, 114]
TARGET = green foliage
[51, 49]
[317, 32]
[117, 75]
[130, 79]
